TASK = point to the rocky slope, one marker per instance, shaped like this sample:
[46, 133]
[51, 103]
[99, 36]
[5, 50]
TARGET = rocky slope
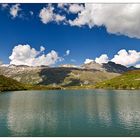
[8, 84]
[108, 67]
[63, 76]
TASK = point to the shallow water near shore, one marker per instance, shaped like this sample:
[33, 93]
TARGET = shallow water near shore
[70, 113]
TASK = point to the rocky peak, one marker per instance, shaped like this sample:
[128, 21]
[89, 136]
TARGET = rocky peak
[113, 67]
[93, 65]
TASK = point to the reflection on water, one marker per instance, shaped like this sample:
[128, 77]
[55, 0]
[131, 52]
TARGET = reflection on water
[70, 113]
[128, 112]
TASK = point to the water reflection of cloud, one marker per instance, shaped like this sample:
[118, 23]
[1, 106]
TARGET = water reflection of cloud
[98, 108]
[70, 113]
[128, 108]
[104, 107]
[27, 114]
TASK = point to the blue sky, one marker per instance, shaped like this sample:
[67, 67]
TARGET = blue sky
[83, 41]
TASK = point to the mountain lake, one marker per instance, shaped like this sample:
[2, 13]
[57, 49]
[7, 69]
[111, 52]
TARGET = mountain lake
[70, 113]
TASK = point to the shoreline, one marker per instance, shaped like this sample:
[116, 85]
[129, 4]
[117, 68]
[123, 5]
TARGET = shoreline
[40, 88]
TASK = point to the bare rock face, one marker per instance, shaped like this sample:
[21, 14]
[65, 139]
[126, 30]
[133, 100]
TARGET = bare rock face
[108, 67]
[93, 65]
[113, 67]
[25, 74]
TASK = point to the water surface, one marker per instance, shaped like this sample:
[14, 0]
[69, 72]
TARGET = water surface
[70, 113]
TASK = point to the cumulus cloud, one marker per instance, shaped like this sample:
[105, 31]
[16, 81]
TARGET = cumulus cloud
[117, 18]
[47, 15]
[58, 18]
[14, 10]
[75, 8]
[102, 59]
[88, 61]
[127, 58]
[63, 6]
[123, 57]
[124, 21]
[25, 55]
[71, 8]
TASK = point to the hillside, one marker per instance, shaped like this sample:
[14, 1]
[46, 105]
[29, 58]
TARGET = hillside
[57, 76]
[8, 84]
[128, 80]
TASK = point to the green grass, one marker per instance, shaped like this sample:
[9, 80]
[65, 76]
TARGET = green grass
[128, 80]
[8, 84]
[42, 87]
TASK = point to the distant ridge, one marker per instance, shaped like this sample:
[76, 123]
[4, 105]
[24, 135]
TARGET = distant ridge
[109, 67]
[113, 67]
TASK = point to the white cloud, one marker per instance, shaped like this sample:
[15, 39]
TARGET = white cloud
[71, 8]
[127, 58]
[124, 21]
[75, 8]
[14, 10]
[58, 18]
[117, 18]
[88, 61]
[25, 55]
[47, 15]
[42, 48]
[63, 6]
[123, 57]
[84, 17]
[102, 59]
[67, 53]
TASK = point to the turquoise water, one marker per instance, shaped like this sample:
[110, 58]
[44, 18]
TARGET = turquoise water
[70, 113]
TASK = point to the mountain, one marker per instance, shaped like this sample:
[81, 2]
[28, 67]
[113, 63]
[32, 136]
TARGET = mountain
[8, 84]
[132, 68]
[64, 75]
[113, 67]
[108, 67]
[128, 80]
[93, 65]
[56, 76]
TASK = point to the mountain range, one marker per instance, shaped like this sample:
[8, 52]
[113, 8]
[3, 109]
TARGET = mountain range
[64, 75]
